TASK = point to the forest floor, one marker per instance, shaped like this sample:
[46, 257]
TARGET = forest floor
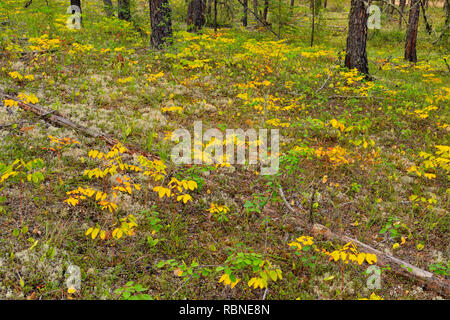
[369, 159]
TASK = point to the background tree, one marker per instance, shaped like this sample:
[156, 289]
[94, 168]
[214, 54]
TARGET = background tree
[402, 10]
[411, 33]
[108, 7]
[196, 15]
[255, 10]
[356, 56]
[266, 10]
[123, 10]
[161, 23]
[245, 18]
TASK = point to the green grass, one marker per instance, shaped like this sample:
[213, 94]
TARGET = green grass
[357, 192]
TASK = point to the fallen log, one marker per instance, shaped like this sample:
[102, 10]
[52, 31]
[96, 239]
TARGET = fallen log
[403, 268]
[425, 278]
[57, 119]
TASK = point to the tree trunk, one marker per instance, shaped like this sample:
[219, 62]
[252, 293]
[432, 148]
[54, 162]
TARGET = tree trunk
[196, 15]
[402, 10]
[266, 10]
[357, 37]
[313, 9]
[161, 23]
[255, 10]
[215, 15]
[411, 34]
[123, 10]
[108, 8]
[245, 18]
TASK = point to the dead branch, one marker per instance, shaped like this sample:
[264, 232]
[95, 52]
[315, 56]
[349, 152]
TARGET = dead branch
[264, 23]
[400, 267]
[58, 119]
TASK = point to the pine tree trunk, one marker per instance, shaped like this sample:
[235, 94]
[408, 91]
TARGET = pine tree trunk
[411, 34]
[196, 15]
[357, 38]
[123, 8]
[161, 23]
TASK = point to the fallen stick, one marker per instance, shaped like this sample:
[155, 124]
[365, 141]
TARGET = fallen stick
[403, 268]
[58, 119]
[400, 267]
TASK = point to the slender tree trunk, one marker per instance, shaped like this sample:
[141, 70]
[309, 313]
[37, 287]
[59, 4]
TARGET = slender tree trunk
[108, 8]
[161, 23]
[428, 26]
[255, 10]
[402, 10]
[215, 15]
[266, 10]
[313, 8]
[245, 18]
[357, 37]
[447, 12]
[411, 33]
[196, 15]
[123, 10]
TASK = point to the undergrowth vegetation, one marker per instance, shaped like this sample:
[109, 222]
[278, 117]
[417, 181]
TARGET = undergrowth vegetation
[369, 159]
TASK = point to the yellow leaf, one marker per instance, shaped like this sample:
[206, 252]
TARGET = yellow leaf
[371, 258]
[95, 233]
[360, 258]
[71, 290]
[89, 231]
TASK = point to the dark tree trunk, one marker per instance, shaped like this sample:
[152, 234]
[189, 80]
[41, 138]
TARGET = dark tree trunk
[161, 23]
[266, 10]
[325, 3]
[357, 37]
[215, 15]
[313, 9]
[123, 10]
[447, 12]
[245, 18]
[108, 8]
[292, 3]
[411, 33]
[196, 15]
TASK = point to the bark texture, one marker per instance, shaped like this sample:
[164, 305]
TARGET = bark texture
[196, 15]
[411, 33]
[161, 23]
[356, 56]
